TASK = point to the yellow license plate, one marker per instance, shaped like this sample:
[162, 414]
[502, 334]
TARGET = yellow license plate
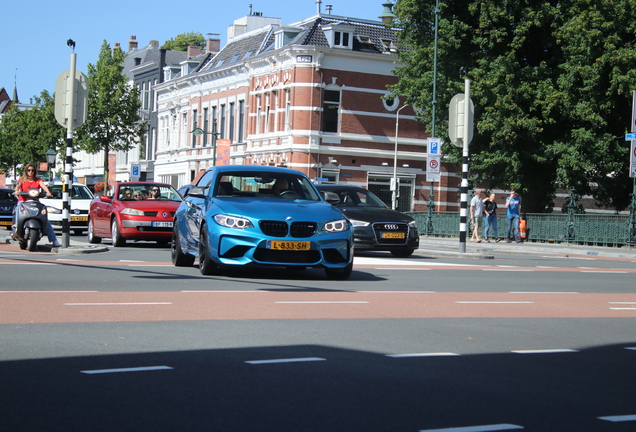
[5, 222]
[79, 218]
[288, 245]
[393, 235]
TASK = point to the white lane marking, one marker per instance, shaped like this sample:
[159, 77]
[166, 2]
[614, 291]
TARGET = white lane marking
[507, 270]
[433, 354]
[486, 428]
[634, 308]
[119, 370]
[547, 267]
[288, 360]
[409, 262]
[46, 292]
[619, 418]
[507, 266]
[494, 302]
[220, 291]
[118, 304]
[543, 292]
[131, 261]
[603, 272]
[402, 269]
[545, 351]
[321, 302]
[623, 303]
[397, 292]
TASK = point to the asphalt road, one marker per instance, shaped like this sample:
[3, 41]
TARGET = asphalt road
[122, 340]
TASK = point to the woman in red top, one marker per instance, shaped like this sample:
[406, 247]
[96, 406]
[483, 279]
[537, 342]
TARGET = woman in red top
[27, 181]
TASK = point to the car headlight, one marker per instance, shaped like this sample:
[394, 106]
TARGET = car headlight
[233, 222]
[132, 212]
[357, 223]
[53, 210]
[336, 226]
[413, 224]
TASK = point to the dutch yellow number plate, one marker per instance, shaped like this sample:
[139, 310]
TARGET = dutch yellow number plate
[288, 245]
[5, 222]
[393, 235]
[79, 218]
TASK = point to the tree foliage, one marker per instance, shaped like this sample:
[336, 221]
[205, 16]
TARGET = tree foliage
[26, 135]
[183, 41]
[552, 85]
[113, 122]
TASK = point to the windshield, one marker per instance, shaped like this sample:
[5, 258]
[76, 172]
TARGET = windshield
[266, 185]
[80, 192]
[141, 192]
[357, 198]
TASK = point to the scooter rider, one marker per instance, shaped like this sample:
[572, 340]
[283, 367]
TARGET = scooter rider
[27, 181]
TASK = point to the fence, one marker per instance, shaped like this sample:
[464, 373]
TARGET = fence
[599, 230]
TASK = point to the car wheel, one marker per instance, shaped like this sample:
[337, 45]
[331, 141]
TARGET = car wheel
[206, 265]
[402, 253]
[92, 238]
[339, 274]
[179, 258]
[117, 239]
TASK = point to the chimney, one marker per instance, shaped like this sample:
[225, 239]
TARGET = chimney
[194, 51]
[213, 45]
[132, 43]
[154, 44]
[117, 46]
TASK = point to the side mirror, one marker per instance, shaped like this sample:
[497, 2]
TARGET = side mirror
[105, 199]
[331, 197]
[197, 192]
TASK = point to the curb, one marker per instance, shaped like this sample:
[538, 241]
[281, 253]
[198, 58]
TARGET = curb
[71, 250]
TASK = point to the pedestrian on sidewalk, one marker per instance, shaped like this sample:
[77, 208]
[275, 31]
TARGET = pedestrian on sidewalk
[513, 206]
[476, 214]
[490, 218]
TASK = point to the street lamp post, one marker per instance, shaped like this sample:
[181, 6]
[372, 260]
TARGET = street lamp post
[214, 133]
[394, 183]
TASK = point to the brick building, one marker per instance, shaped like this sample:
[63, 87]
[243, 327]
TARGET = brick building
[310, 95]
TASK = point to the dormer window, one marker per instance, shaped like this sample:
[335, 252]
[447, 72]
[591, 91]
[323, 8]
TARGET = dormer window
[339, 35]
[389, 45]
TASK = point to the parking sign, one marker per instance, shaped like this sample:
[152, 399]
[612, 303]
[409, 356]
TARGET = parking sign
[434, 146]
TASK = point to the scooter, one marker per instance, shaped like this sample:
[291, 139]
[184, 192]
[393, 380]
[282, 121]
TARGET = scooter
[31, 219]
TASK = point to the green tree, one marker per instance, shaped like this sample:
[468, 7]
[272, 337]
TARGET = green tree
[26, 135]
[113, 122]
[183, 41]
[551, 82]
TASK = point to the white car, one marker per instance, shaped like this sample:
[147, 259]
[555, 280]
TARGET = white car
[81, 198]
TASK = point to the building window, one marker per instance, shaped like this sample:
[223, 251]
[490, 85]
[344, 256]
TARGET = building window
[341, 39]
[231, 126]
[331, 111]
[222, 134]
[205, 126]
[194, 126]
[241, 122]
[287, 110]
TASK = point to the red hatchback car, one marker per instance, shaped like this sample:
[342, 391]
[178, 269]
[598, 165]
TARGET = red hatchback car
[134, 211]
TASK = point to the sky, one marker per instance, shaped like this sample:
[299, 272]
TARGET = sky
[33, 35]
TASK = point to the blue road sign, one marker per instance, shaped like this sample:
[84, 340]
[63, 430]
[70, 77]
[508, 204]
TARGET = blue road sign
[630, 137]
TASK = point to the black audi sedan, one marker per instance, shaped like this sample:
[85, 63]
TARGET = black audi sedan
[7, 202]
[376, 227]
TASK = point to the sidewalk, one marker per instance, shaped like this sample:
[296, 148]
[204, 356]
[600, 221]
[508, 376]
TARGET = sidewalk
[77, 245]
[449, 247]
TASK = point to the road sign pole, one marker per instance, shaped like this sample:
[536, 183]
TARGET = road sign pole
[463, 210]
[68, 164]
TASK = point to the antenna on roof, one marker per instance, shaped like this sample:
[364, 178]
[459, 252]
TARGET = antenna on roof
[329, 8]
[318, 3]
